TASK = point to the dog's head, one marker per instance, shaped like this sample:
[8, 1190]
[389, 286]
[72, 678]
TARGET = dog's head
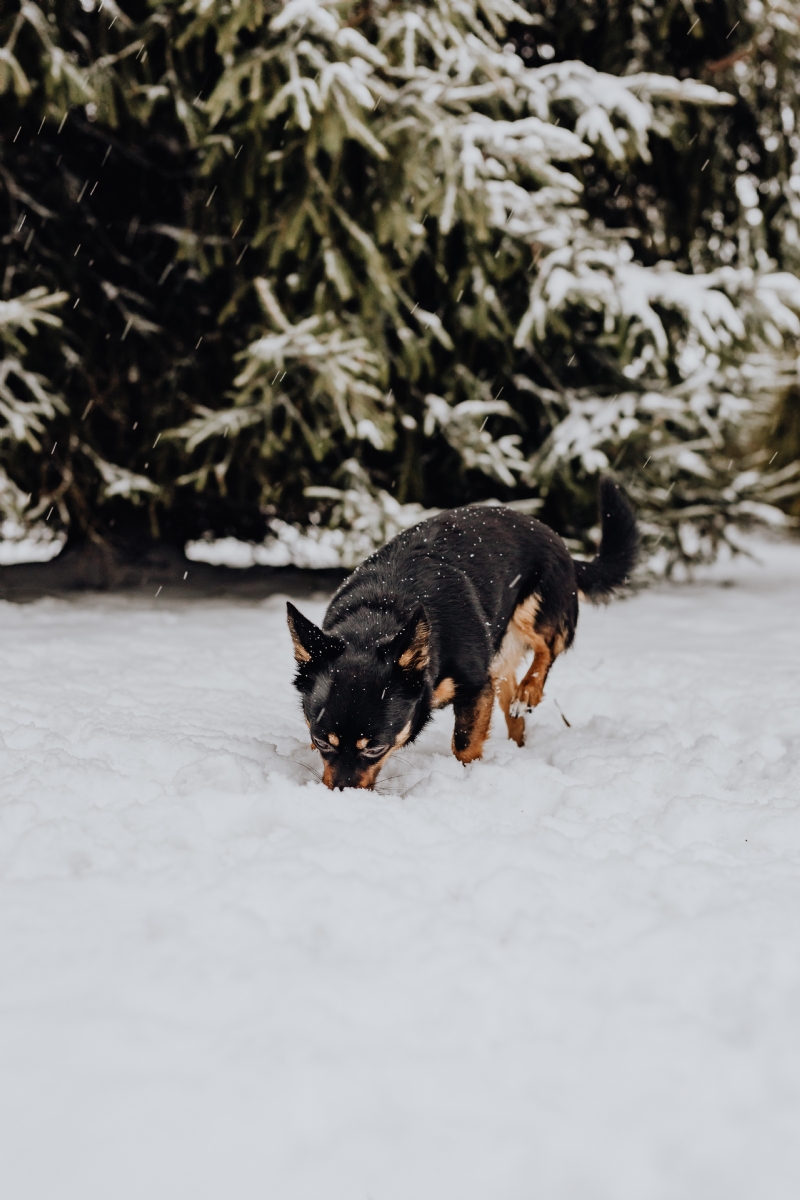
[362, 699]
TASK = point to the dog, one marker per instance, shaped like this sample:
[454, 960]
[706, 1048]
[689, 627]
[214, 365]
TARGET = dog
[443, 614]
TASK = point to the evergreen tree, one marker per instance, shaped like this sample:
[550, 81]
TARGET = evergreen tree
[344, 261]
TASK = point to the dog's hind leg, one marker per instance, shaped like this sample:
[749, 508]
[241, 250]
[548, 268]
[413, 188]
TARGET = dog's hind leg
[504, 677]
[506, 691]
[473, 721]
[522, 636]
[546, 643]
[546, 648]
[530, 689]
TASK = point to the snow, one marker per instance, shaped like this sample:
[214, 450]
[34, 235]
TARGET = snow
[289, 545]
[21, 540]
[38, 547]
[569, 971]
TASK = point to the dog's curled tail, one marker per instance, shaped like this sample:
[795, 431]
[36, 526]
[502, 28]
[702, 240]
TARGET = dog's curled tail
[619, 546]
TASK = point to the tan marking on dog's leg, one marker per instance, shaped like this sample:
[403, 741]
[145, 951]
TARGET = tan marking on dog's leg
[503, 671]
[327, 776]
[506, 690]
[531, 687]
[546, 649]
[443, 693]
[473, 722]
[524, 617]
[546, 644]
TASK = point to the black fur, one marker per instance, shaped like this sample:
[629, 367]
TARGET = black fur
[619, 546]
[432, 605]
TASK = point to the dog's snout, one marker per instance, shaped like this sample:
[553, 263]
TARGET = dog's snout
[338, 781]
[343, 771]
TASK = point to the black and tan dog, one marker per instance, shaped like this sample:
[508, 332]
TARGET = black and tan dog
[444, 614]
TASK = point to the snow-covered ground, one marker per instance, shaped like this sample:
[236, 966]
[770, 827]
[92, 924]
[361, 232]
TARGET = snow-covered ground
[570, 972]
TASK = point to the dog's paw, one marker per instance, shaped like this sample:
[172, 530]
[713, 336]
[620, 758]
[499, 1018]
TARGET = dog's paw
[526, 699]
[516, 730]
[466, 751]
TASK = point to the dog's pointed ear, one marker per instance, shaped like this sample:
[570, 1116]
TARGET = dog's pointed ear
[411, 647]
[309, 640]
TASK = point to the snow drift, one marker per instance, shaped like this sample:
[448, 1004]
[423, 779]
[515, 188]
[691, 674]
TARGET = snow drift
[569, 971]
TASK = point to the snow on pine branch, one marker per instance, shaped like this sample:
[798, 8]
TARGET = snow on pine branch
[464, 428]
[333, 365]
[27, 407]
[720, 313]
[489, 144]
[26, 403]
[476, 133]
[677, 437]
[616, 113]
[27, 311]
[121, 481]
[360, 518]
[723, 335]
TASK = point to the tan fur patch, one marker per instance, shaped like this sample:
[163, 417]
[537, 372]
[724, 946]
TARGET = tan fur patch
[475, 722]
[362, 743]
[531, 687]
[525, 614]
[300, 653]
[521, 636]
[506, 690]
[401, 739]
[368, 776]
[443, 693]
[418, 654]
[333, 739]
[327, 775]
[505, 664]
[513, 648]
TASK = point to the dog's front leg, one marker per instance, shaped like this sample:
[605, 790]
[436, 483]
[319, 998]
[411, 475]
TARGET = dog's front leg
[473, 721]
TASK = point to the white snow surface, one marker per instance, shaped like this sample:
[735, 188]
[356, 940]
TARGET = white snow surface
[568, 972]
[39, 546]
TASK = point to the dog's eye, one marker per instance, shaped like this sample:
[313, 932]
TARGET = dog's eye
[374, 751]
[323, 745]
